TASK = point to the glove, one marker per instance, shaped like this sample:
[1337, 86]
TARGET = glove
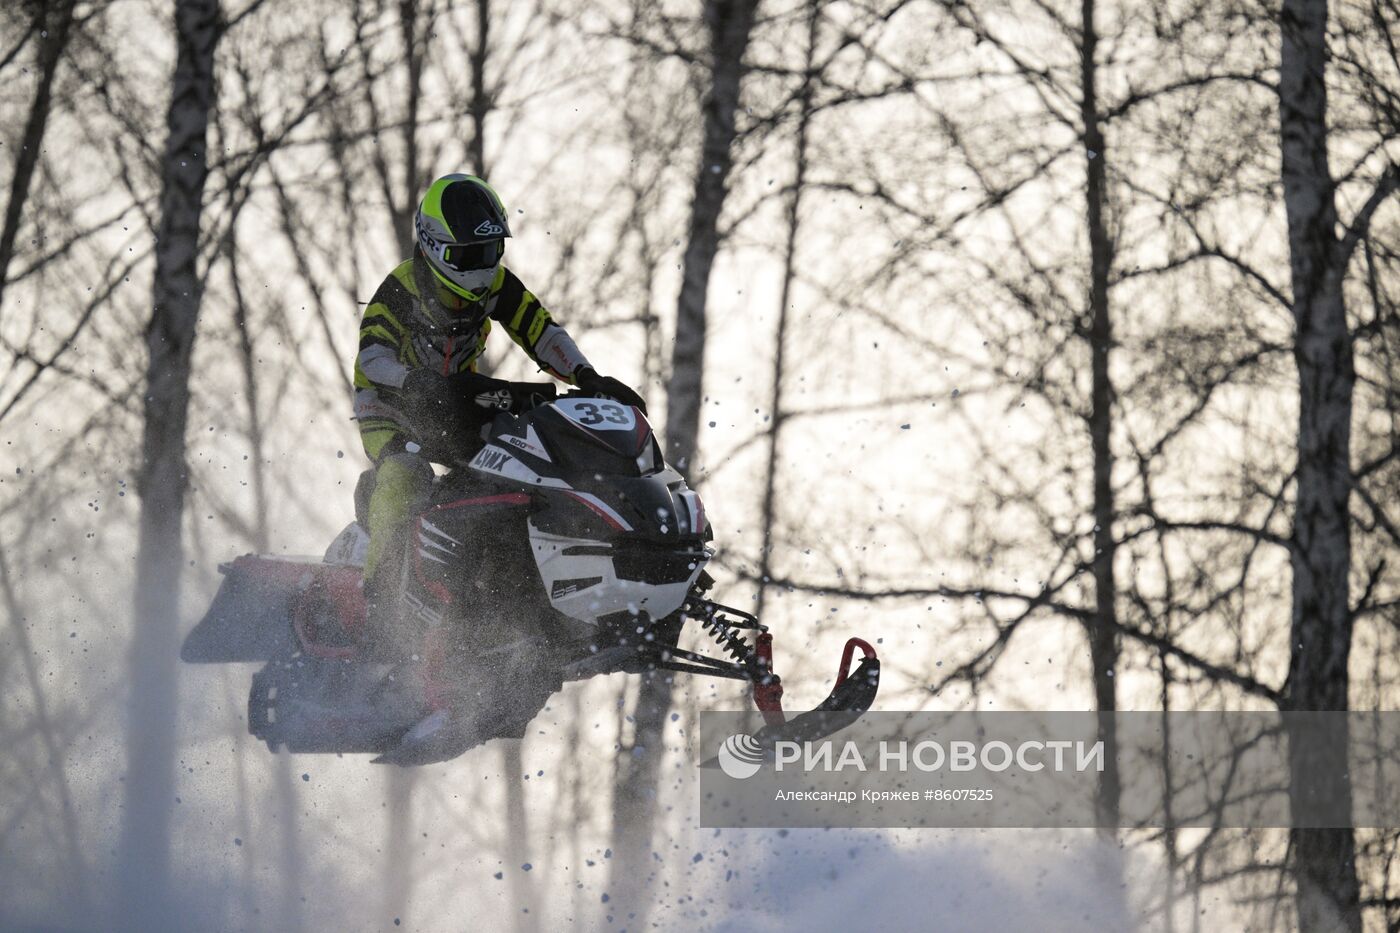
[428, 402]
[587, 379]
[446, 412]
[500, 395]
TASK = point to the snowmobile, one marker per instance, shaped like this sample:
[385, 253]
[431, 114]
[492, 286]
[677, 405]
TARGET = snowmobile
[562, 548]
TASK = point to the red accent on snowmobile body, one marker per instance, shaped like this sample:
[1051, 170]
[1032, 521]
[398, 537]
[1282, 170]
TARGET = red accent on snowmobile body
[510, 498]
[642, 433]
[768, 697]
[313, 590]
[337, 588]
[439, 591]
[435, 692]
[612, 523]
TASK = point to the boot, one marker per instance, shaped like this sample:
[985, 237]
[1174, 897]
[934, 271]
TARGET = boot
[401, 485]
[388, 631]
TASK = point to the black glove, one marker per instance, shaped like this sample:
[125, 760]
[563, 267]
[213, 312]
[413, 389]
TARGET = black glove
[453, 408]
[494, 395]
[587, 379]
[431, 406]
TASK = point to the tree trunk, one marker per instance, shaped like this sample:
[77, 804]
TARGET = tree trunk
[777, 416]
[290, 880]
[729, 23]
[481, 100]
[398, 843]
[247, 360]
[57, 767]
[1325, 859]
[1103, 629]
[151, 725]
[415, 49]
[517, 840]
[56, 26]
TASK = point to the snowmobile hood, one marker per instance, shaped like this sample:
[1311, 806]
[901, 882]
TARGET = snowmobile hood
[592, 436]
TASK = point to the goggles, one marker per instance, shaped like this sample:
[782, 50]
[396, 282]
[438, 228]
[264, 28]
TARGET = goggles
[469, 257]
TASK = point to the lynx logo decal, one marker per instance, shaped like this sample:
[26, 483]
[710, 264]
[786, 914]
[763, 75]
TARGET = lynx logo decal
[491, 459]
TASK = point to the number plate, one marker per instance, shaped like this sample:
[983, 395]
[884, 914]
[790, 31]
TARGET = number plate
[598, 414]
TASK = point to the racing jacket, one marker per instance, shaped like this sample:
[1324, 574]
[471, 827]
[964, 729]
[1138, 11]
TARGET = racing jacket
[412, 323]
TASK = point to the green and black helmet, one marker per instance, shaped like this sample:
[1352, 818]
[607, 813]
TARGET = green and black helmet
[461, 228]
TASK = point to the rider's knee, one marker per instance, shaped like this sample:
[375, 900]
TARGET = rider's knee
[401, 481]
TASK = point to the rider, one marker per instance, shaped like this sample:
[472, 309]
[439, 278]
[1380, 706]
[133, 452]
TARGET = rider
[418, 397]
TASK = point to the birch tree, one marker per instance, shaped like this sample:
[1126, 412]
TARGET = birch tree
[1321, 548]
[728, 25]
[51, 26]
[176, 294]
[768, 505]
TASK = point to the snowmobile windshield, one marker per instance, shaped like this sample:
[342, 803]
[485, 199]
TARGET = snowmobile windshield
[598, 435]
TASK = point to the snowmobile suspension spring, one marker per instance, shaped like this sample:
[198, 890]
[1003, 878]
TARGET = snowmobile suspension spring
[727, 637]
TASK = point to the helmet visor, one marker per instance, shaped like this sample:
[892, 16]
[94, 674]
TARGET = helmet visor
[469, 257]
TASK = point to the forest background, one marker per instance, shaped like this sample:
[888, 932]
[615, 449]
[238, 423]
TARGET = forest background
[1052, 344]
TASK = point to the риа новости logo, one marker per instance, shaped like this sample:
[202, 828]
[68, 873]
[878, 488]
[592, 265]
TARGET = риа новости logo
[740, 756]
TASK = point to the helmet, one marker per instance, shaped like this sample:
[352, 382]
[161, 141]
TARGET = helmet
[461, 229]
